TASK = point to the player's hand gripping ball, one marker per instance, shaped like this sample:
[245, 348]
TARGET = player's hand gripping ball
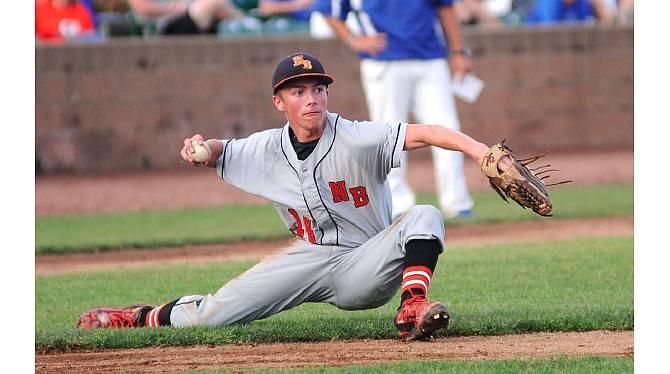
[201, 153]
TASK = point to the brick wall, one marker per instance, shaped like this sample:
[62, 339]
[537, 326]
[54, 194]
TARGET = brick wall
[127, 104]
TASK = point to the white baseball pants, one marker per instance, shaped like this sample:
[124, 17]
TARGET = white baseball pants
[422, 88]
[348, 278]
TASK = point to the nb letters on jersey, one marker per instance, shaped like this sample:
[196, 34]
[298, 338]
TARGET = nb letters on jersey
[318, 197]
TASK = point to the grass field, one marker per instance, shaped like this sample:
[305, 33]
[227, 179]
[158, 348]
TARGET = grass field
[562, 365]
[90, 233]
[573, 285]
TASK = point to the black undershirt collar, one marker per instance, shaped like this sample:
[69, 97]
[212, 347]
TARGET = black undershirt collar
[303, 150]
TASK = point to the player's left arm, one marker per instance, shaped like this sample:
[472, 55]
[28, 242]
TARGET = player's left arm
[420, 135]
[459, 63]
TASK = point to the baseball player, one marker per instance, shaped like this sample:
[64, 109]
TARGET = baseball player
[402, 46]
[327, 178]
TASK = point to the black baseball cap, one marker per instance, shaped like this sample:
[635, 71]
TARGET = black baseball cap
[298, 65]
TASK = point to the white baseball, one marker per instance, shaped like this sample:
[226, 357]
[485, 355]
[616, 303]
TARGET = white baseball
[201, 153]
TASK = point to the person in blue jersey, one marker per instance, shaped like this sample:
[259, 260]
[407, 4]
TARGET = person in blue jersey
[549, 12]
[408, 52]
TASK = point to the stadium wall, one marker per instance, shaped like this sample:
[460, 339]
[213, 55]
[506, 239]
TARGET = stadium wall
[127, 104]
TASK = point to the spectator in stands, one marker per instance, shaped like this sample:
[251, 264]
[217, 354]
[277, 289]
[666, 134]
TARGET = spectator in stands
[110, 16]
[184, 17]
[517, 12]
[116, 6]
[475, 12]
[57, 21]
[297, 9]
[624, 12]
[300, 11]
[91, 9]
[549, 12]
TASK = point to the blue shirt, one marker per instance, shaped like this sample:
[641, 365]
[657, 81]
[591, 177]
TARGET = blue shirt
[91, 9]
[412, 26]
[301, 15]
[556, 11]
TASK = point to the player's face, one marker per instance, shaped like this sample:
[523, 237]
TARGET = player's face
[304, 101]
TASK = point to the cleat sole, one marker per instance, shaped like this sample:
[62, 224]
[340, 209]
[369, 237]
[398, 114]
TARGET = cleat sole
[435, 319]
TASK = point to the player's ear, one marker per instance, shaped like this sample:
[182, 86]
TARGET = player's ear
[279, 103]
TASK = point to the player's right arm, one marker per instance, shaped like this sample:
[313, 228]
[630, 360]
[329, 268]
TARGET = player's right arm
[215, 147]
[370, 44]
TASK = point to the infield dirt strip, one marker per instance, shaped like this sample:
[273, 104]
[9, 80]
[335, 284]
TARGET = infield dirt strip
[65, 195]
[337, 353]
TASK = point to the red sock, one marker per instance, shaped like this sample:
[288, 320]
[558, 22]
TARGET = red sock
[415, 281]
[160, 315]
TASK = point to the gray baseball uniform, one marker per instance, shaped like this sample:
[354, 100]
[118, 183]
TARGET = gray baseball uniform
[338, 201]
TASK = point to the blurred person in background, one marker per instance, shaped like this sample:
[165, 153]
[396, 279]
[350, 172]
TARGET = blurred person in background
[550, 12]
[624, 12]
[516, 11]
[475, 12]
[297, 9]
[185, 17]
[408, 51]
[621, 10]
[91, 9]
[57, 21]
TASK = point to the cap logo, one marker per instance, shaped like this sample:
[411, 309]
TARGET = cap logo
[299, 60]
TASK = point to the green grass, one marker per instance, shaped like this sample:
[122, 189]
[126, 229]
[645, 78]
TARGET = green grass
[560, 364]
[174, 228]
[576, 285]
[568, 201]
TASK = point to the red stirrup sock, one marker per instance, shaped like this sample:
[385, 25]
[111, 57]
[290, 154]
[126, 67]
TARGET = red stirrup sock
[158, 316]
[419, 264]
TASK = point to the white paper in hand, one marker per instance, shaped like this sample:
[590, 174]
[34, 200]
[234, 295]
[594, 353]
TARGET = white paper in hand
[468, 88]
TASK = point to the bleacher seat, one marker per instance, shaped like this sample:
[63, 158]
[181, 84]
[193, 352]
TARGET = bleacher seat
[285, 25]
[111, 24]
[140, 28]
[235, 27]
[246, 5]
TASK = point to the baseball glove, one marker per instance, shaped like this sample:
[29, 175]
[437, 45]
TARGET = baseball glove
[519, 183]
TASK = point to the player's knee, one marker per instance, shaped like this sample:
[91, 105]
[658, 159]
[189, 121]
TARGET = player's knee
[425, 213]
[422, 222]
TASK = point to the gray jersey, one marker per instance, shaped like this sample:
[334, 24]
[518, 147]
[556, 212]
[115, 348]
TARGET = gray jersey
[344, 179]
[339, 202]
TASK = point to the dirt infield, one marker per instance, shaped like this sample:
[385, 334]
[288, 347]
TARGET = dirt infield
[336, 353]
[57, 195]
